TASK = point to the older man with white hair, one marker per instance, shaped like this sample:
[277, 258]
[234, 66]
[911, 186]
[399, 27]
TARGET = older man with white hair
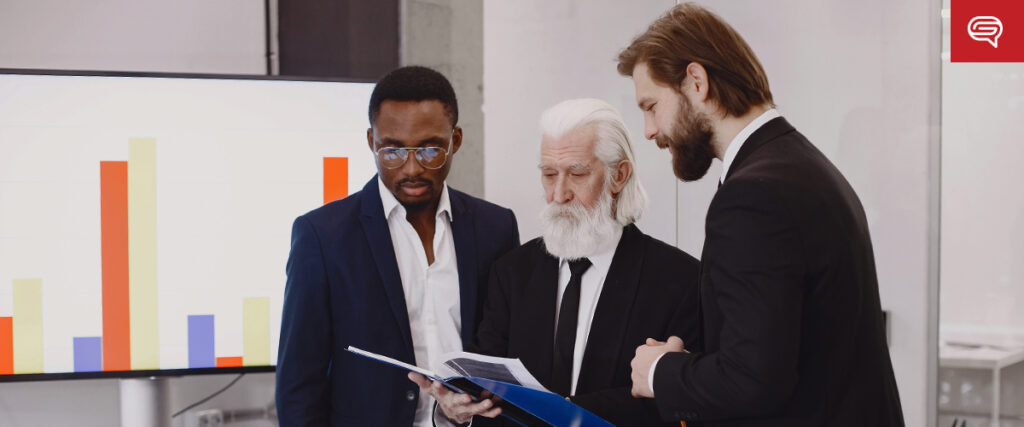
[574, 304]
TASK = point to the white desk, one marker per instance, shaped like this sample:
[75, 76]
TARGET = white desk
[982, 357]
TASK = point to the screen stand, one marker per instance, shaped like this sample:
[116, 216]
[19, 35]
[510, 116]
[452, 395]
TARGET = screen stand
[145, 402]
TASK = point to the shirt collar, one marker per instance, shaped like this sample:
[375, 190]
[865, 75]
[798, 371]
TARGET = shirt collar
[600, 262]
[737, 142]
[391, 204]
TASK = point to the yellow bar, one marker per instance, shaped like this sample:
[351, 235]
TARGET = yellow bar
[28, 326]
[256, 331]
[142, 295]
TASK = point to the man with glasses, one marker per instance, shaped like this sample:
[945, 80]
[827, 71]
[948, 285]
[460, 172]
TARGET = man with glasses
[399, 268]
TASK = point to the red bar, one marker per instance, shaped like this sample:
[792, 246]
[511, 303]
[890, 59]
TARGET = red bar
[114, 242]
[6, 346]
[335, 178]
[229, 362]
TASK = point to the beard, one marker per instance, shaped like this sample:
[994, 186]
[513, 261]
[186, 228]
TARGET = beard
[572, 231]
[690, 143]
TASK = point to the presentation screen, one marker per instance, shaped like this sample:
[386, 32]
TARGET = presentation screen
[145, 222]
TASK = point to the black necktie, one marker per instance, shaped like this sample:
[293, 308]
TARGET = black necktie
[565, 331]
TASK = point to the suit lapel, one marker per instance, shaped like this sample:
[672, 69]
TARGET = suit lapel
[378, 236]
[608, 328]
[464, 233]
[539, 315]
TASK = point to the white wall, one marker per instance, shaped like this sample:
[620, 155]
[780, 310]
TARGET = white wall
[186, 36]
[855, 77]
[982, 206]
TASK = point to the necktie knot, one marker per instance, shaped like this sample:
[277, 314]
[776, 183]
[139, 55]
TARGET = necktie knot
[579, 266]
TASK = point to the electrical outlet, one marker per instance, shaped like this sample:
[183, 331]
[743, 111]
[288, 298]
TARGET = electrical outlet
[210, 418]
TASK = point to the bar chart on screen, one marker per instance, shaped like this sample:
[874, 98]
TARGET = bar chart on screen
[138, 234]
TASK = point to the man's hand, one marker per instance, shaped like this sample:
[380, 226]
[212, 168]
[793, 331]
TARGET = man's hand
[645, 356]
[457, 407]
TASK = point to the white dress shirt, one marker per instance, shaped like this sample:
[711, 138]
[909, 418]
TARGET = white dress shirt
[431, 290]
[730, 155]
[590, 293]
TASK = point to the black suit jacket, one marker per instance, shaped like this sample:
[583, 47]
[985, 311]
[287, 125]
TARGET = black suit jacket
[650, 291]
[793, 328]
[344, 289]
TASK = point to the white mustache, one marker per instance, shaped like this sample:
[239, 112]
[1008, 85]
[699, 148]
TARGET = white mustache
[573, 231]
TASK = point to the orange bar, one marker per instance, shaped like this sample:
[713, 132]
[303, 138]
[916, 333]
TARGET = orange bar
[6, 346]
[114, 242]
[335, 178]
[229, 362]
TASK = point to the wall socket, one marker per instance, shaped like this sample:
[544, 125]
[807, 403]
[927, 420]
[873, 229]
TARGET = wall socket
[210, 418]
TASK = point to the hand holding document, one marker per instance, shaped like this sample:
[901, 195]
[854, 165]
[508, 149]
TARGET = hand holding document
[506, 382]
[460, 408]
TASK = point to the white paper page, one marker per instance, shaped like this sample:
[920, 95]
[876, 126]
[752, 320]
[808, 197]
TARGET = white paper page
[396, 362]
[494, 368]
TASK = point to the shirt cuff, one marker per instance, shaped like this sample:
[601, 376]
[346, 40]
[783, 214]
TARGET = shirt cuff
[650, 374]
[441, 421]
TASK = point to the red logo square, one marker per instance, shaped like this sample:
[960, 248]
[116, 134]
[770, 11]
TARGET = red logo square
[986, 30]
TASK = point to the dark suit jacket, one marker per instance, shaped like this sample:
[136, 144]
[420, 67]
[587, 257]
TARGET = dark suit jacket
[344, 289]
[650, 291]
[793, 328]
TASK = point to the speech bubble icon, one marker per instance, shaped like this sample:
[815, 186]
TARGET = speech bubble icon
[986, 29]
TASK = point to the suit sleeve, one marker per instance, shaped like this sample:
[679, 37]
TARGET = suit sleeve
[753, 262]
[492, 334]
[515, 231]
[685, 322]
[304, 353]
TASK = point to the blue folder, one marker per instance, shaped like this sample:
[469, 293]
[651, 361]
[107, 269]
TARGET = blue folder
[525, 406]
[530, 407]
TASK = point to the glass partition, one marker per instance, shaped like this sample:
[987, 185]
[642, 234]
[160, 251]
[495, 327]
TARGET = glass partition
[981, 317]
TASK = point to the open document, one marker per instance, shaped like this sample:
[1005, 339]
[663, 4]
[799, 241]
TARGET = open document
[521, 397]
[463, 364]
[509, 371]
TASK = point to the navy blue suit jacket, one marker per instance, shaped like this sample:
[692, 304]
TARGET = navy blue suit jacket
[344, 289]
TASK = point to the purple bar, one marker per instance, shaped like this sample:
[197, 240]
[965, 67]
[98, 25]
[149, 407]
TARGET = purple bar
[200, 341]
[88, 354]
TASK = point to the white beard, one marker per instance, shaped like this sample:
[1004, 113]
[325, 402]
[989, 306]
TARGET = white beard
[571, 231]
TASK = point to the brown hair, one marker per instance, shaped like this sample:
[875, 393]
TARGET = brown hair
[690, 33]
